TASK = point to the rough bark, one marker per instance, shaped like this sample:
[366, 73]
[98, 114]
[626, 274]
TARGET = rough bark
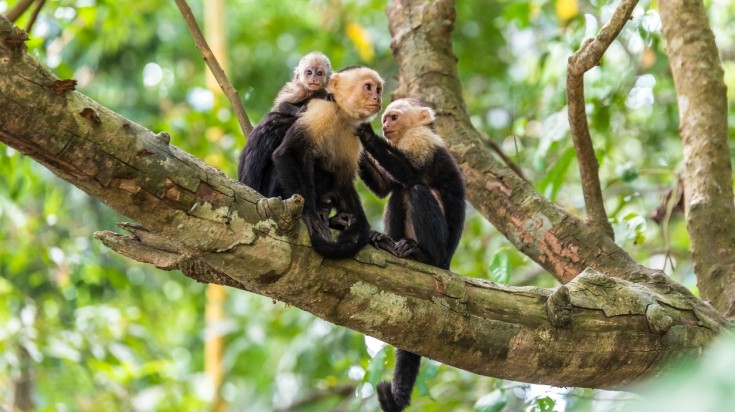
[702, 98]
[213, 229]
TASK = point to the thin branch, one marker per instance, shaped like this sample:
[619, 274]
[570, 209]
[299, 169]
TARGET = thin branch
[587, 57]
[216, 69]
[17, 11]
[34, 16]
[507, 160]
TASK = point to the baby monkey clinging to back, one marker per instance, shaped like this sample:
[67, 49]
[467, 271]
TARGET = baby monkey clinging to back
[309, 78]
[255, 168]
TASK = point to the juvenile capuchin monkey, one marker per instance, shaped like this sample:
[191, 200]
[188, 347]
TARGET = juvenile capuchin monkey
[310, 78]
[319, 159]
[255, 168]
[425, 212]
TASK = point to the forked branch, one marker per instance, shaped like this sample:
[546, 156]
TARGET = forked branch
[587, 57]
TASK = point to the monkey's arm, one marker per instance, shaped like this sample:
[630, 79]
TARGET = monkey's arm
[375, 178]
[255, 166]
[447, 180]
[430, 226]
[389, 158]
[295, 167]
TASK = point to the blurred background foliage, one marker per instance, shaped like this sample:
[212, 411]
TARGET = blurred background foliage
[96, 331]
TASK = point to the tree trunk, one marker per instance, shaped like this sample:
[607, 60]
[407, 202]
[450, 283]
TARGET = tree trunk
[708, 194]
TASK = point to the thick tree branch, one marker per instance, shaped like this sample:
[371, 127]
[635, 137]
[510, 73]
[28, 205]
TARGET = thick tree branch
[216, 69]
[702, 97]
[564, 245]
[216, 230]
[587, 57]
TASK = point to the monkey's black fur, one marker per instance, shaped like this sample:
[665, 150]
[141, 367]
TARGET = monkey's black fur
[429, 199]
[300, 172]
[255, 168]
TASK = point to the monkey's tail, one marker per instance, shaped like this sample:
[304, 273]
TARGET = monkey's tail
[348, 243]
[395, 396]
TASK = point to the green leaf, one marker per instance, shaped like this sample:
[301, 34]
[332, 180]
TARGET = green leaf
[499, 271]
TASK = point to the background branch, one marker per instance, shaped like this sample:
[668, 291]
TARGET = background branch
[34, 16]
[216, 69]
[20, 8]
[587, 57]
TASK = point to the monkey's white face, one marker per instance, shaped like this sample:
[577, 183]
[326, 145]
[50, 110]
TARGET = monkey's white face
[314, 77]
[402, 115]
[358, 92]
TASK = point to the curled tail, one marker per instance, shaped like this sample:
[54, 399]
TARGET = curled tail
[348, 243]
[395, 396]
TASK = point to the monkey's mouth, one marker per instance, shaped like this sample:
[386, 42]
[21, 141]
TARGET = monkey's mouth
[388, 133]
[314, 86]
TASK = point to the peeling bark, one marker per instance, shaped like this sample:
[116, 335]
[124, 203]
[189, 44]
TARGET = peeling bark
[213, 229]
[702, 97]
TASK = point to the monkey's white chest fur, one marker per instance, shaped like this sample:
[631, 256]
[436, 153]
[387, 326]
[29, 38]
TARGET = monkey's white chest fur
[418, 144]
[334, 137]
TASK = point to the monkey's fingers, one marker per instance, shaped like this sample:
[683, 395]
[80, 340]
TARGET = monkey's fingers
[383, 241]
[406, 248]
[342, 221]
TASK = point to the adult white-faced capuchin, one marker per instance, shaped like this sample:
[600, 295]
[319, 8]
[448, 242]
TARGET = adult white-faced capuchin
[319, 159]
[255, 168]
[425, 212]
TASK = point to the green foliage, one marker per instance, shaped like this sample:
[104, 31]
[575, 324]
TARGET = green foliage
[104, 333]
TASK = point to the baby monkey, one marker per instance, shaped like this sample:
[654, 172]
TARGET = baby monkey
[310, 79]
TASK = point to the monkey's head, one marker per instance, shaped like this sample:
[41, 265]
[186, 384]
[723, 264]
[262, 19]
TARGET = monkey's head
[403, 115]
[313, 71]
[357, 92]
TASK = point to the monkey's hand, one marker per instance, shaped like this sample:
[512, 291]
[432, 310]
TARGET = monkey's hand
[407, 248]
[365, 132]
[342, 220]
[383, 241]
[317, 225]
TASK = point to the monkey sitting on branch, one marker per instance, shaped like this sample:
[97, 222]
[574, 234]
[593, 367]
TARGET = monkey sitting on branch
[425, 212]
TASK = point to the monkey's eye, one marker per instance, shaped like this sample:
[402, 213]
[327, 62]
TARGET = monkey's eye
[393, 117]
[368, 86]
[309, 72]
[320, 73]
[379, 90]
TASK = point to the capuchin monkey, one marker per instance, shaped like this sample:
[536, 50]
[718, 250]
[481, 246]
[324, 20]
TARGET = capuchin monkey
[425, 212]
[255, 168]
[319, 159]
[310, 78]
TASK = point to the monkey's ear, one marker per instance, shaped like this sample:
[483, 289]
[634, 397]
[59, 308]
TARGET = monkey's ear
[426, 116]
[334, 81]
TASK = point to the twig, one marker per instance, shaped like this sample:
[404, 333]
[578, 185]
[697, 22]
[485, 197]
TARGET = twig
[508, 162]
[34, 16]
[214, 66]
[17, 11]
[588, 56]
